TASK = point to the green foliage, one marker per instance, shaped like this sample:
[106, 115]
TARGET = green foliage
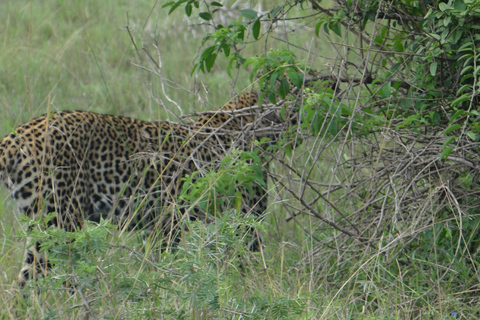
[226, 39]
[75, 251]
[440, 60]
[271, 71]
[220, 187]
[322, 113]
[202, 275]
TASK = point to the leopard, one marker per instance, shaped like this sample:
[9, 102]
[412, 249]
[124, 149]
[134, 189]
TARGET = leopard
[87, 166]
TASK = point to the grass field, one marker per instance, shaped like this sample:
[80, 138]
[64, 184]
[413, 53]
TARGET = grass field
[79, 55]
[59, 55]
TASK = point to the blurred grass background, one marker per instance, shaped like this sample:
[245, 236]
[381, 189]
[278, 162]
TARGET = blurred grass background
[79, 55]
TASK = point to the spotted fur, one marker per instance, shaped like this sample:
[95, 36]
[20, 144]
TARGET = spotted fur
[85, 165]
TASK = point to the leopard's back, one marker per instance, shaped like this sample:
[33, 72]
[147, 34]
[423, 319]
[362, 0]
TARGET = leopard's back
[85, 165]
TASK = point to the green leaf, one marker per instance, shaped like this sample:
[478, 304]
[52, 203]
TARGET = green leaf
[210, 61]
[445, 33]
[452, 128]
[446, 152]
[447, 21]
[188, 10]
[433, 68]
[249, 14]
[256, 28]
[466, 46]
[466, 57]
[371, 15]
[471, 135]
[416, 131]
[335, 27]
[195, 67]
[296, 79]
[261, 98]
[398, 45]
[241, 33]
[317, 28]
[272, 97]
[395, 66]
[397, 84]
[205, 15]
[176, 5]
[443, 6]
[216, 4]
[463, 88]
[465, 77]
[208, 51]
[226, 49]
[333, 127]
[448, 141]
[435, 117]
[456, 35]
[346, 110]
[459, 5]
[462, 98]
[326, 29]
[273, 79]
[457, 114]
[168, 4]
[379, 40]
[275, 11]
[430, 11]
[386, 90]
[316, 125]
[284, 88]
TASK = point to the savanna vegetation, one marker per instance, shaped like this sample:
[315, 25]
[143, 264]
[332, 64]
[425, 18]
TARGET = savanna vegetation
[374, 196]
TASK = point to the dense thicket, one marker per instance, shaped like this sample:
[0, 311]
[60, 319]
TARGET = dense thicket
[389, 162]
